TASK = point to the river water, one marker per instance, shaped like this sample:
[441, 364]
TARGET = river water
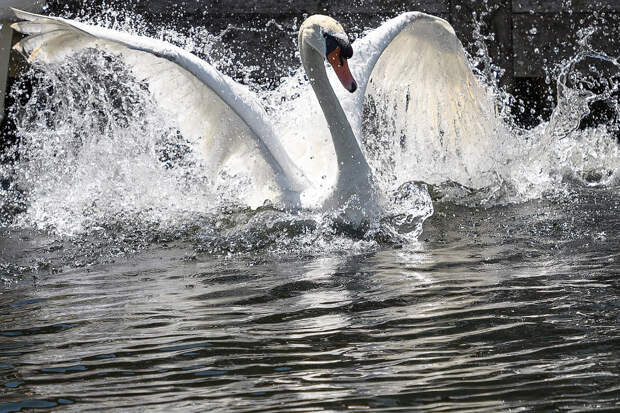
[500, 309]
[118, 297]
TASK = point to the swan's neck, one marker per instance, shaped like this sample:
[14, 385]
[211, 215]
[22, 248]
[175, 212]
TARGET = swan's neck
[353, 170]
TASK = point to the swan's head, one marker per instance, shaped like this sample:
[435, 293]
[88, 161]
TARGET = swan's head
[328, 38]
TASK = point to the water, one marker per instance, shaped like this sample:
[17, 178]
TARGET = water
[459, 297]
[495, 309]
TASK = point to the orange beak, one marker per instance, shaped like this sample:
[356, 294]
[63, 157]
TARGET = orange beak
[341, 67]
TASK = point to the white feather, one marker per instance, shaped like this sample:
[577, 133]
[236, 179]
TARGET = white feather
[207, 105]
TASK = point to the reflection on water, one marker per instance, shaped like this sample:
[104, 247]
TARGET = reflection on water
[494, 310]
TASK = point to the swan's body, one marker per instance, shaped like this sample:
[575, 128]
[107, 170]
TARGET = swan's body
[211, 108]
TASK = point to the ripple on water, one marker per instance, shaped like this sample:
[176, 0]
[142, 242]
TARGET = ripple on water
[473, 320]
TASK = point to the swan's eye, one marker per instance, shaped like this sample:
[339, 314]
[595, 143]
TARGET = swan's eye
[338, 41]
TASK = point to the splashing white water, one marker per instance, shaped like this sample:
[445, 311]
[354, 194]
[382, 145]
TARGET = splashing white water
[96, 153]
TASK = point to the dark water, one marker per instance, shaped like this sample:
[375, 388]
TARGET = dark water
[509, 308]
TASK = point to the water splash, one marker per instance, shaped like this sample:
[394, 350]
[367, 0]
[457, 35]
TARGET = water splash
[97, 159]
[564, 151]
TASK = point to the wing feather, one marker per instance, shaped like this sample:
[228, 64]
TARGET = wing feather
[206, 105]
[414, 73]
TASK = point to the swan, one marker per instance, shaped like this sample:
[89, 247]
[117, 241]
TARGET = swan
[414, 61]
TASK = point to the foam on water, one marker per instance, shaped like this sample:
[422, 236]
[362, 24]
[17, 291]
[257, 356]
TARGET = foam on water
[97, 155]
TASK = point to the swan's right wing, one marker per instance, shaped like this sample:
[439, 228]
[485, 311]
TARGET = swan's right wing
[420, 90]
[207, 106]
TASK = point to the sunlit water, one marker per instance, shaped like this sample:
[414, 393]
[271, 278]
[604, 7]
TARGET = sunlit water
[132, 279]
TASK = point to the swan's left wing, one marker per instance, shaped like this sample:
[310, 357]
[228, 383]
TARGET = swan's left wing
[418, 88]
[207, 106]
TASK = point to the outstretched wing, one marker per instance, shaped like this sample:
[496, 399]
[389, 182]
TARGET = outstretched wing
[418, 87]
[205, 104]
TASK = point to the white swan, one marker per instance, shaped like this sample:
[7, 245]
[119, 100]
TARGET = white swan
[414, 60]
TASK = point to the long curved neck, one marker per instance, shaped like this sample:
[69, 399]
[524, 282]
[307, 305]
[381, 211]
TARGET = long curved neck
[352, 166]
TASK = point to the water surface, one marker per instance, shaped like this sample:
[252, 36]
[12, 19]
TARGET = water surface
[496, 309]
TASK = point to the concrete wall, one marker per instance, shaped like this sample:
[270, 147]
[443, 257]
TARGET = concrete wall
[6, 37]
